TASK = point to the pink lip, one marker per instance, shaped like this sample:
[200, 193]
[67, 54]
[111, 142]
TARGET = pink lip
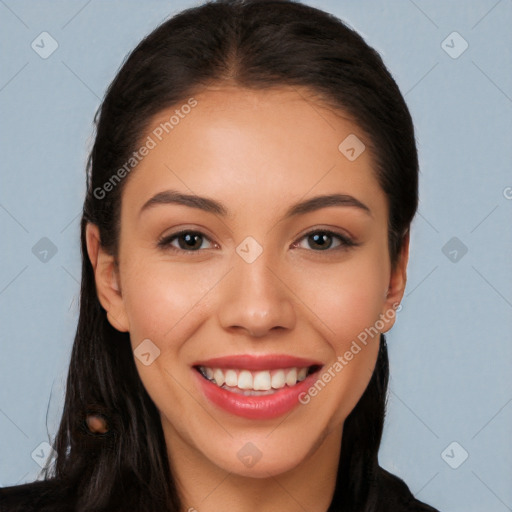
[255, 407]
[259, 362]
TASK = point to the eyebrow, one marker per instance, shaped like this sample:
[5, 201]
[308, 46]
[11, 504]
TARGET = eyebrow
[212, 206]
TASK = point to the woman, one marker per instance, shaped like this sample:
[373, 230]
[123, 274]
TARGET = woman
[245, 241]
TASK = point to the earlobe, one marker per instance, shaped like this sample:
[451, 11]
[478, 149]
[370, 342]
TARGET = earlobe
[107, 280]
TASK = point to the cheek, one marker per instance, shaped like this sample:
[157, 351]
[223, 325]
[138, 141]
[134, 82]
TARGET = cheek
[345, 298]
[161, 298]
[346, 301]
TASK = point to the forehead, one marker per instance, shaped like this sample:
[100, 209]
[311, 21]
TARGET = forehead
[266, 146]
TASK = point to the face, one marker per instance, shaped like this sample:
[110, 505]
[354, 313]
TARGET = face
[289, 298]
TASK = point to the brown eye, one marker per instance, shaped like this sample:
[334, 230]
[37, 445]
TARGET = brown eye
[322, 240]
[187, 241]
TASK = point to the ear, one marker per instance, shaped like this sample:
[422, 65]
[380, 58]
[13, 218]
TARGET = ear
[396, 287]
[107, 280]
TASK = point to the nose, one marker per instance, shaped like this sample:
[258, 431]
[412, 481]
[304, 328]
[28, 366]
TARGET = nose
[256, 299]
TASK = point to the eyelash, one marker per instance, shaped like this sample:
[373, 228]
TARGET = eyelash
[345, 242]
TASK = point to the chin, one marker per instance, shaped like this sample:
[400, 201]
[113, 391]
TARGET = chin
[263, 455]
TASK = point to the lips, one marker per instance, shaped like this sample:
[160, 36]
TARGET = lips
[255, 387]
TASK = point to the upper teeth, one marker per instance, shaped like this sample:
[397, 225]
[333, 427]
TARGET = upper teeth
[258, 381]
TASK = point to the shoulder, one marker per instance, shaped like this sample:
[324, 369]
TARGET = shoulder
[40, 496]
[395, 495]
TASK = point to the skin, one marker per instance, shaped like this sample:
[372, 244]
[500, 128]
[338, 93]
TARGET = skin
[258, 152]
[96, 424]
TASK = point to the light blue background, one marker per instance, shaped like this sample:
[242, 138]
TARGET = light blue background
[450, 350]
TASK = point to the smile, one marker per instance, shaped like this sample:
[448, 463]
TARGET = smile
[256, 387]
[255, 383]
